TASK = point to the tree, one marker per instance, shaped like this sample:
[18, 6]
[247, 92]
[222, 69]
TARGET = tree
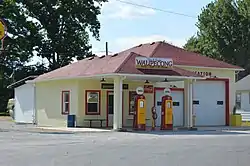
[18, 46]
[223, 32]
[63, 24]
[55, 29]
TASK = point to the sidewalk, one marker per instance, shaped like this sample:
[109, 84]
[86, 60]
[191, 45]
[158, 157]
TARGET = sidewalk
[73, 130]
[225, 128]
[96, 130]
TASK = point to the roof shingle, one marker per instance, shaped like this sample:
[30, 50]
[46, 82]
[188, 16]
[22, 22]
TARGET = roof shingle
[124, 62]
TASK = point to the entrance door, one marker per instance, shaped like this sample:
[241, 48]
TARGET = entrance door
[110, 107]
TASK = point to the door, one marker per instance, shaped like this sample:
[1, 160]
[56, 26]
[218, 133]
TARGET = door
[24, 104]
[110, 107]
[209, 103]
[178, 107]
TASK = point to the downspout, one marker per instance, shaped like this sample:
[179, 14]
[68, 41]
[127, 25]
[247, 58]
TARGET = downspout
[34, 106]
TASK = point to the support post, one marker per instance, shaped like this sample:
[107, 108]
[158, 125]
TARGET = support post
[191, 104]
[117, 121]
[186, 102]
[188, 115]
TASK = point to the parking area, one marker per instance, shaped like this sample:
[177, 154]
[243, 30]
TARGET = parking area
[25, 146]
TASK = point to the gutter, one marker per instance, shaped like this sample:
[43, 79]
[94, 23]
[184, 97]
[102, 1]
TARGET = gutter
[211, 68]
[112, 75]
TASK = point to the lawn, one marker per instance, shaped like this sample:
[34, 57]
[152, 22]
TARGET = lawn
[4, 114]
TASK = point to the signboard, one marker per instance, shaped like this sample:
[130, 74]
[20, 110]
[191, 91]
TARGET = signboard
[148, 89]
[204, 73]
[3, 30]
[167, 91]
[111, 86]
[153, 63]
[139, 90]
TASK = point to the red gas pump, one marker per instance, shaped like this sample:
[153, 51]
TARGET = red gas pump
[139, 122]
[167, 111]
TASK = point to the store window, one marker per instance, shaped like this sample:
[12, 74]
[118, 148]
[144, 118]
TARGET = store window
[132, 95]
[65, 102]
[93, 102]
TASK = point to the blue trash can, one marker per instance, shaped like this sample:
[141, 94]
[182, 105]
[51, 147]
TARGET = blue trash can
[71, 120]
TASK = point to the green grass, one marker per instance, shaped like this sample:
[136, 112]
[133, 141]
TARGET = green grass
[4, 114]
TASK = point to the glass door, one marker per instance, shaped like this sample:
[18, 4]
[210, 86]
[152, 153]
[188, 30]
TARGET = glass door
[110, 107]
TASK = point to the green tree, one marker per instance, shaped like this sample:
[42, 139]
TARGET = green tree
[223, 32]
[18, 46]
[64, 26]
[55, 29]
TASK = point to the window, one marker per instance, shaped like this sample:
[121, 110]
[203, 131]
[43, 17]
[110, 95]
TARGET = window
[65, 102]
[249, 97]
[110, 103]
[238, 100]
[93, 102]
[132, 95]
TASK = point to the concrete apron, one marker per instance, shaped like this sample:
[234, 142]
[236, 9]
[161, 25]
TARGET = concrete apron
[96, 130]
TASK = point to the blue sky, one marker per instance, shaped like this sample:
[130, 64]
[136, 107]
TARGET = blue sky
[124, 25]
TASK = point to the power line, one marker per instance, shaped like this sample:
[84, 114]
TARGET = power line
[157, 9]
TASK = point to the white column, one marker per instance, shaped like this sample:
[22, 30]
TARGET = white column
[188, 112]
[117, 121]
[191, 103]
[186, 102]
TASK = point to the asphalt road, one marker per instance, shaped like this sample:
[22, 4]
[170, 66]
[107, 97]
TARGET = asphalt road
[23, 148]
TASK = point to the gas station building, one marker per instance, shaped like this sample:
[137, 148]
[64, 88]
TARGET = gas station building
[100, 91]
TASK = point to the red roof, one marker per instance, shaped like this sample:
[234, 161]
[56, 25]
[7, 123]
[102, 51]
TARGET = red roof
[180, 56]
[123, 62]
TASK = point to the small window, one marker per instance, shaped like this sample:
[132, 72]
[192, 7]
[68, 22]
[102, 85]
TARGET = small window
[159, 103]
[196, 102]
[93, 102]
[249, 97]
[220, 102]
[65, 102]
[132, 95]
[176, 103]
[238, 100]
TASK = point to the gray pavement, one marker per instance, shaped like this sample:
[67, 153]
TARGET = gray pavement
[202, 148]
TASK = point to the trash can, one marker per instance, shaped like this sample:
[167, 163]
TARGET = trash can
[71, 121]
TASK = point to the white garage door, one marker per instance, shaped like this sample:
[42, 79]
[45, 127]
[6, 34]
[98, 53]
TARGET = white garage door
[24, 104]
[209, 103]
[178, 107]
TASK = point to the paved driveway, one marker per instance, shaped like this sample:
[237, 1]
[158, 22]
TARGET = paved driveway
[24, 148]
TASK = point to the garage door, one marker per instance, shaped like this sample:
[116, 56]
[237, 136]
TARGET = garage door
[178, 107]
[209, 103]
[24, 104]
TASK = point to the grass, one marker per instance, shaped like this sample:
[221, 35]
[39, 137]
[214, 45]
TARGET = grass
[4, 114]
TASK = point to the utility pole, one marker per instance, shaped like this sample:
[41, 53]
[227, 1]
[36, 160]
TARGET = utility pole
[106, 49]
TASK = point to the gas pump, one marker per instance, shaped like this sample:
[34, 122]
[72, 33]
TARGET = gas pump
[140, 110]
[167, 111]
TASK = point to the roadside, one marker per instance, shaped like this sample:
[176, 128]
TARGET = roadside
[7, 124]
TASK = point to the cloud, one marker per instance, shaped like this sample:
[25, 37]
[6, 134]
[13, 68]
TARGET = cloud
[116, 9]
[128, 42]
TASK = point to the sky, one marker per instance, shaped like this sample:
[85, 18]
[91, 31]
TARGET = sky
[124, 26]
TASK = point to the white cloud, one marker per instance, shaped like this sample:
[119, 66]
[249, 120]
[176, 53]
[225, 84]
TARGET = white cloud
[128, 42]
[116, 9]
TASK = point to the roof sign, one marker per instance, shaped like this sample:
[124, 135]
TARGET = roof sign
[139, 90]
[153, 63]
[3, 30]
